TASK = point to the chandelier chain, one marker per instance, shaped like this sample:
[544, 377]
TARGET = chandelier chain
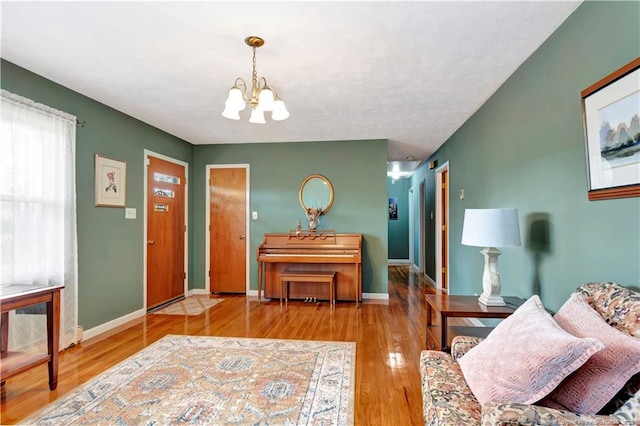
[254, 76]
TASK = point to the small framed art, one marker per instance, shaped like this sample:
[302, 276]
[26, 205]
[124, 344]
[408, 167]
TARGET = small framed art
[111, 182]
[611, 118]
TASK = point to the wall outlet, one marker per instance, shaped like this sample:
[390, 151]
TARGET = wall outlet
[462, 194]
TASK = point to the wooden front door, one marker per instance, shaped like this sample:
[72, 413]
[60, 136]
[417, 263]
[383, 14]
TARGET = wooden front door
[444, 227]
[165, 231]
[227, 230]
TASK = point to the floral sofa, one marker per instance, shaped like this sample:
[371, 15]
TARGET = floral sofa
[448, 399]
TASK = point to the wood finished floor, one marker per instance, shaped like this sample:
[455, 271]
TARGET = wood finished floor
[389, 338]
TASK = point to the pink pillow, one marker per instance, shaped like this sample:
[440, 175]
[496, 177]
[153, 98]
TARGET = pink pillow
[589, 388]
[525, 357]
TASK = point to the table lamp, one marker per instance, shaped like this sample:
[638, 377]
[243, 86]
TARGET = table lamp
[491, 228]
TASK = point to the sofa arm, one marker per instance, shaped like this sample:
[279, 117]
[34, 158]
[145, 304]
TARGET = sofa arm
[503, 414]
[446, 398]
[460, 345]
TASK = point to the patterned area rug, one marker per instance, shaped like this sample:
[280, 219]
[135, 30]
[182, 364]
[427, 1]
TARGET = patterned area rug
[192, 305]
[217, 380]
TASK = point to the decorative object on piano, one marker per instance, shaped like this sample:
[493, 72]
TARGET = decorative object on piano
[305, 234]
[313, 215]
[316, 190]
[298, 227]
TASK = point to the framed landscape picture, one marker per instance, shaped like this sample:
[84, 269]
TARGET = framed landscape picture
[111, 182]
[611, 116]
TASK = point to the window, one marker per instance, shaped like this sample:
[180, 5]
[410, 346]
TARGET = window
[38, 212]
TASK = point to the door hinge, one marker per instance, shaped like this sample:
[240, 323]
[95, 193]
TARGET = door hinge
[444, 227]
[148, 161]
[444, 185]
[444, 270]
[185, 275]
[209, 273]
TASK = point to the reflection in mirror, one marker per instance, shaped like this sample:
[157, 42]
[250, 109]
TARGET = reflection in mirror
[316, 192]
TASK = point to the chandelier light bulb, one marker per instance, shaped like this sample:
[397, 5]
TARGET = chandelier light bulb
[231, 112]
[265, 101]
[257, 116]
[236, 99]
[279, 111]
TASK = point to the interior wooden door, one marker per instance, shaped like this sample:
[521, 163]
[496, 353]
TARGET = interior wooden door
[227, 230]
[165, 231]
[444, 228]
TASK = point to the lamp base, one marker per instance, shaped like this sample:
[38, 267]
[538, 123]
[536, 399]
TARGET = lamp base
[491, 300]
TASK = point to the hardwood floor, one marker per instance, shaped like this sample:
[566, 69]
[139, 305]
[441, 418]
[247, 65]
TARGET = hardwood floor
[389, 337]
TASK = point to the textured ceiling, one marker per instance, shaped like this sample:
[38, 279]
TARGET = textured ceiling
[410, 72]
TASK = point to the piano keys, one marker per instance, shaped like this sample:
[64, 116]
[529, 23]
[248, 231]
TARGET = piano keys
[322, 251]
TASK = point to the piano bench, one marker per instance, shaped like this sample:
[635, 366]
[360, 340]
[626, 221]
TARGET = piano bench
[308, 277]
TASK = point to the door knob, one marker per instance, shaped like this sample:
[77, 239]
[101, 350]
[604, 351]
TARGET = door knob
[242, 237]
[151, 242]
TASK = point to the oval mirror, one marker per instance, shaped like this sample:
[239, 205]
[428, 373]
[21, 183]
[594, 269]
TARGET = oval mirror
[316, 192]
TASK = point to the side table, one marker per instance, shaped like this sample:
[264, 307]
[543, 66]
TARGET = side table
[20, 296]
[440, 333]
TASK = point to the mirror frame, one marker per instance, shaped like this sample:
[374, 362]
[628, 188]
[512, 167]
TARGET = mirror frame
[325, 209]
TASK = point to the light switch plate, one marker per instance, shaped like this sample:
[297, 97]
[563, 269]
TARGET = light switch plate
[130, 213]
[254, 215]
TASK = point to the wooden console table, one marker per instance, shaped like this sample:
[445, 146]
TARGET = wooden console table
[19, 296]
[439, 334]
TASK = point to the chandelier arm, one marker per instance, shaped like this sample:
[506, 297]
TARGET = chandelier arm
[240, 83]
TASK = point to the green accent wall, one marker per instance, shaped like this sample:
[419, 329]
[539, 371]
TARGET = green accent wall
[356, 169]
[110, 247]
[398, 230]
[524, 148]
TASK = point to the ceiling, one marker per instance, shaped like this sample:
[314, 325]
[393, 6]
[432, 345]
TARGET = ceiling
[409, 72]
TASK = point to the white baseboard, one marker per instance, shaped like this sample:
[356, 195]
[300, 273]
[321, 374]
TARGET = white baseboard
[375, 296]
[102, 328]
[194, 291]
[398, 262]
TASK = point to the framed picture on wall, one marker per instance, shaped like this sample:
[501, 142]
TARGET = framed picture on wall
[111, 182]
[611, 118]
[393, 209]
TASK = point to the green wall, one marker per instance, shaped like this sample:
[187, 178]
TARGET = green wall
[525, 149]
[357, 170]
[110, 248]
[398, 230]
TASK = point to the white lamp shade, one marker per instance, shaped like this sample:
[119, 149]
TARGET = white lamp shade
[257, 116]
[235, 99]
[265, 100]
[279, 111]
[491, 228]
[231, 112]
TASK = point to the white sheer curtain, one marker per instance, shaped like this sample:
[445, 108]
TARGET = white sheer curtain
[38, 244]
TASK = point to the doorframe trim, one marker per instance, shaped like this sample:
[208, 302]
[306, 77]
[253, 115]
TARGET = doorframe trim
[438, 279]
[207, 215]
[411, 194]
[148, 153]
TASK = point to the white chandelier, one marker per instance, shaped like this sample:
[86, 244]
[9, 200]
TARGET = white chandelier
[263, 97]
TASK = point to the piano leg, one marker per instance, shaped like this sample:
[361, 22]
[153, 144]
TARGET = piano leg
[260, 265]
[357, 285]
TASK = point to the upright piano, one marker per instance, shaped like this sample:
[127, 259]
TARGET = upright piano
[323, 251]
